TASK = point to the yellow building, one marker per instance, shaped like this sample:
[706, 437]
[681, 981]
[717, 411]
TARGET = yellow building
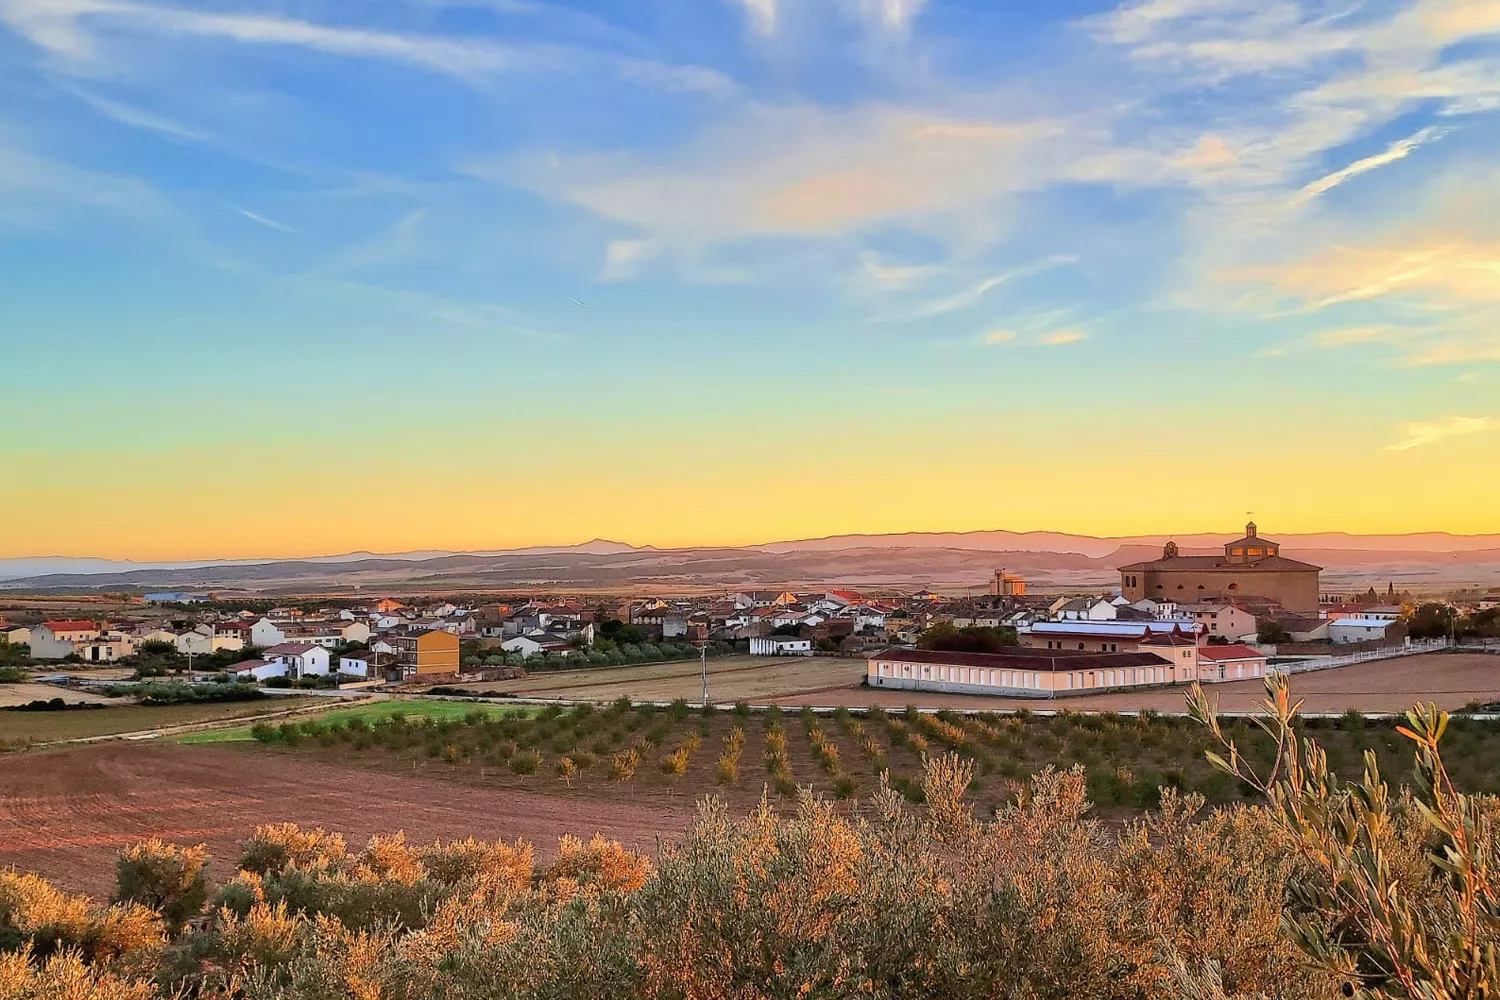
[434, 652]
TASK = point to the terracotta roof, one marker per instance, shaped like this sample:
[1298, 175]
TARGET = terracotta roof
[292, 648]
[75, 625]
[1201, 563]
[1019, 658]
[1233, 651]
[1168, 639]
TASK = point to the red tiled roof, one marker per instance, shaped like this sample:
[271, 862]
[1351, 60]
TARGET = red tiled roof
[1167, 639]
[77, 625]
[1233, 651]
[292, 648]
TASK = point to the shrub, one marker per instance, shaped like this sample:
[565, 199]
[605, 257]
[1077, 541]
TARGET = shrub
[566, 769]
[526, 762]
[622, 765]
[727, 769]
[163, 877]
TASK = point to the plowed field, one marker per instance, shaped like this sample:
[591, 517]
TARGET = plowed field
[65, 814]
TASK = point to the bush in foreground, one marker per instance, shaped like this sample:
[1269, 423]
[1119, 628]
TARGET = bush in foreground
[1330, 889]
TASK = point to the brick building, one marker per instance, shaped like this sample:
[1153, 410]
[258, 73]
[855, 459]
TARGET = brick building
[1251, 566]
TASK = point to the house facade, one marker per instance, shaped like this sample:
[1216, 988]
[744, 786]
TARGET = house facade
[432, 652]
[299, 659]
[55, 640]
[780, 645]
[1016, 673]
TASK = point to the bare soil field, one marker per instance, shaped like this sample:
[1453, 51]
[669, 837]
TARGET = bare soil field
[20, 694]
[730, 678]
[1452, 680]
[66, 814]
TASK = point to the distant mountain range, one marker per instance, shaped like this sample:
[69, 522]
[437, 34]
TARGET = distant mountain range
[955, 560]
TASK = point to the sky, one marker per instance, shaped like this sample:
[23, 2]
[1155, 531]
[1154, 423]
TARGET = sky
[297, 277]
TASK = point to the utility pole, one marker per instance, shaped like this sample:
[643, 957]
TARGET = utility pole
[703, 664]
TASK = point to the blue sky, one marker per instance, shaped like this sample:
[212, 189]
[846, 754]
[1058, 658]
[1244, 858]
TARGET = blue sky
[590, 265]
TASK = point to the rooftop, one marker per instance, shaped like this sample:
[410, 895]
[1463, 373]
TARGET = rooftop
[1022, 659]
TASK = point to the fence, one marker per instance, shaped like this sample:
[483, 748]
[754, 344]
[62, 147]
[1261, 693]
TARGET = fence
[1363, 656]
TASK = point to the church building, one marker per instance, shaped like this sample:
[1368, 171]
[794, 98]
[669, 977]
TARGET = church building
[1251, 567]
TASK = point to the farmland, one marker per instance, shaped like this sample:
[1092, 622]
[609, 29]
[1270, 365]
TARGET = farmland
[20, 694]
[65, 814]
[367, 711]
[20, 728]
[643, 753]
[1450, 679]
[730, 678]
[625, 770]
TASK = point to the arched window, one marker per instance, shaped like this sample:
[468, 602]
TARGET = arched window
[1234, 586]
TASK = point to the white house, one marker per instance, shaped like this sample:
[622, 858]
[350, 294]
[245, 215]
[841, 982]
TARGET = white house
[15, 635]
[197, 641]
[1388, 613]
[1344, 631]
[265, 634]
[366, 664]
[1093, 609]
[780, 645]
[258, 670]
[1232, 662]
[301, 659]
[1156, 608]
[56, 639]
[533, 645]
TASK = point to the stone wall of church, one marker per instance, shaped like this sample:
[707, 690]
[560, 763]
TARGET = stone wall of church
[1295, 590]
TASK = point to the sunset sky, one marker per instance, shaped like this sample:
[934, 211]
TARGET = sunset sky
[296, 277]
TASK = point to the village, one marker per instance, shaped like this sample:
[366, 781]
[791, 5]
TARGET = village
[1172, 621]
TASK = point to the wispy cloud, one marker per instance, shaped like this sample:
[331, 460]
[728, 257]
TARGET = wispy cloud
[1062, 337]
[623, 258]
[1398, 150]
[875, 271]
[1418, 435]
[1000, 337]
[59, 26]
[971, 295]
[135, 117]
[766, 17]
[269, 223]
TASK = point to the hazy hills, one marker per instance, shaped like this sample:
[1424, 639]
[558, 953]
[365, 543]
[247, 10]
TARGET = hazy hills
[945, 560]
